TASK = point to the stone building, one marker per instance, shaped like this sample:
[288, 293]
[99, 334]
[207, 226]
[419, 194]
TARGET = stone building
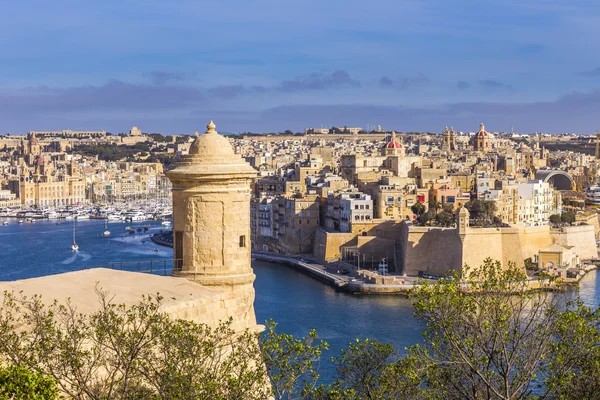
[481, 142]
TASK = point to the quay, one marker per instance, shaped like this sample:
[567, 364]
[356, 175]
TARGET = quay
[357, 281]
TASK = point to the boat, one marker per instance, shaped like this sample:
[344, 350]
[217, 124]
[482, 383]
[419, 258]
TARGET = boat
[127, 228]
[145, 228]
[592, 195]
[106, 231]
[139, 229]
[166, 223]
[74, 246]
[20, 221]
[5, 223]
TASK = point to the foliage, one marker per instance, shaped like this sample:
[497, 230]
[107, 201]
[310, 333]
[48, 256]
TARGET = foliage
[123, 352]
[418, 208]
[445, 219]
[18, 382]
[111, 151]
[568, 217]
[555, 219]
[482, 212]
[487, 336]
[159, 138]
[292, 363]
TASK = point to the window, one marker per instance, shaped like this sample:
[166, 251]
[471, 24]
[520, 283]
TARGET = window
[367, 206]
[243, 241]
[356, 206]
[178, 250]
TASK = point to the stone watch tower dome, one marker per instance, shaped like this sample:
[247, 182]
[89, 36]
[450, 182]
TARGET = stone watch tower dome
[211, 222]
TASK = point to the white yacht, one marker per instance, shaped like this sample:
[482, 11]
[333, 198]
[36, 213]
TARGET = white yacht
[592, 195]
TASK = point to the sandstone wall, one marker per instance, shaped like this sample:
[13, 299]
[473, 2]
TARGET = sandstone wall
[181, 297]
[431, 250]
[581, 236]
[481, 243]
[533, 239]
[590, 218]
[327, 244]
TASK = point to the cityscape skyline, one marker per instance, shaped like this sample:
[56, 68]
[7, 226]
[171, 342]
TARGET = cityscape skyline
[271, 67]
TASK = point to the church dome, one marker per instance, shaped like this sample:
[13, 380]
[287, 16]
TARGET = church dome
[393, 143]
[482, 132]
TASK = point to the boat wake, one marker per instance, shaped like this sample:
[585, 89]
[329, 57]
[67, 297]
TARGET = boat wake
[78, 255]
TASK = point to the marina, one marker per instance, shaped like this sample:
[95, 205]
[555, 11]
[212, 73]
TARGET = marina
[118, 211]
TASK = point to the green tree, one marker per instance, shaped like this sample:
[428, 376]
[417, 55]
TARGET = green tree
[555, 219]
[487, 335]
[445, 219]
[418, 208]
[568, 217]
[482, 211]
[132, 352]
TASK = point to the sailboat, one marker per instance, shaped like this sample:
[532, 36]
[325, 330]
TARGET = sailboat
[106, 231]
[74, 246]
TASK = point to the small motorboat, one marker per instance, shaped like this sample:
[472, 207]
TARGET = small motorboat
[74, 246]
[127, 228]
[106, 231]
[5, 223]
[139, 229]
[145, 228]
[20, 221]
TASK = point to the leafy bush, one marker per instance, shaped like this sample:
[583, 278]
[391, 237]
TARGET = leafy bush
[18, 382]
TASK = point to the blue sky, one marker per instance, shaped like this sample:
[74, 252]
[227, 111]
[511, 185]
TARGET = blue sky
[267, 65]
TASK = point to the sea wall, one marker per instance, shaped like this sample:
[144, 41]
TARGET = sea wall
[327, 244]
[431, 250]
[582, 237]
[436, 250]
[534, 238]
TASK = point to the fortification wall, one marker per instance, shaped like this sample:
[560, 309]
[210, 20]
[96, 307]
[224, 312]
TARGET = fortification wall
[533, 239]
[481, 243]
[327, 244]
[431, 250]
[181, 298]
[582, 237]
[590, 218]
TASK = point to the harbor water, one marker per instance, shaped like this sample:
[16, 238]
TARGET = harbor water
[295, 301]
